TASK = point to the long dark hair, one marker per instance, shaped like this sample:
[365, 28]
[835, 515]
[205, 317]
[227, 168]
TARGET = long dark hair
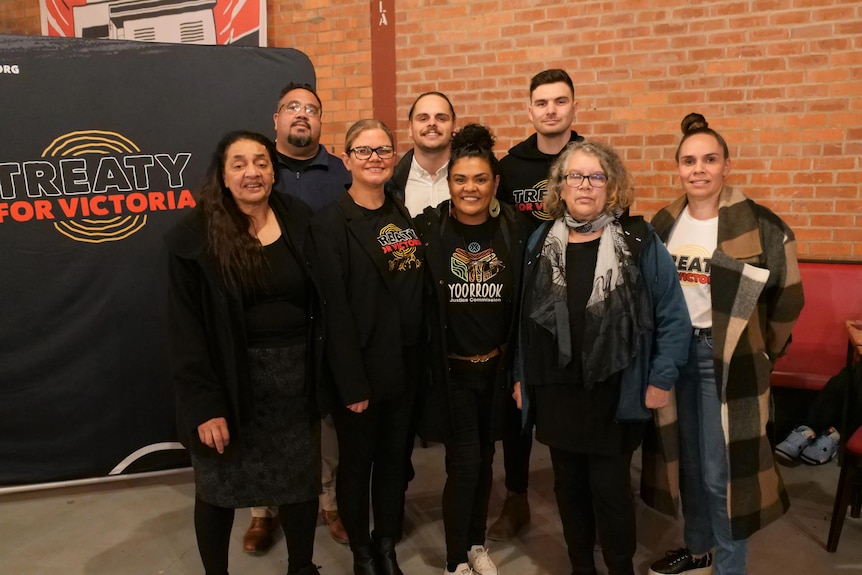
[237, 253]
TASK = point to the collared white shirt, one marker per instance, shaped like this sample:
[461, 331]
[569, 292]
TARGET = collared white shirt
[423, 189]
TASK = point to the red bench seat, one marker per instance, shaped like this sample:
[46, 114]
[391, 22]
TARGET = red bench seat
[833, 294]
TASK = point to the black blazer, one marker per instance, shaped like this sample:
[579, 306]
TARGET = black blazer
[363, 322]
[207, 330]
[436, 423]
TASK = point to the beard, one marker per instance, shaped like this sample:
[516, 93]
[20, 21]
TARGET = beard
[299, 141]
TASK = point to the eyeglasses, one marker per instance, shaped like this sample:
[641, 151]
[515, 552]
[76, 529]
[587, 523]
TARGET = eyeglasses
[293, 107]
[364, 152]
[596, 180]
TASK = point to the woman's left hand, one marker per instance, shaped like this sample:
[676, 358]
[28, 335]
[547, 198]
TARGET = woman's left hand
[656, 397]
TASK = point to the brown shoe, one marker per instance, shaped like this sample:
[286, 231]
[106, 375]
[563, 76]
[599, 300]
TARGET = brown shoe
[515, 515]
[336, 527]
[259, 536]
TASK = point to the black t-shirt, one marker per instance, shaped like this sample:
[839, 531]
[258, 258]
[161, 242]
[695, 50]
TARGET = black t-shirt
[277, 311]
[480, 282]
[569, 416]
[405, 257]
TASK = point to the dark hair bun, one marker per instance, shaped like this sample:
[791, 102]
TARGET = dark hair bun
[473, 136]
[693, 122]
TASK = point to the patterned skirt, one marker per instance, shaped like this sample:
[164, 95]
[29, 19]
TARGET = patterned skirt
[279, 447]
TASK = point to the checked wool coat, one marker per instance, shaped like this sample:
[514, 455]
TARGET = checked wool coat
[756, 299]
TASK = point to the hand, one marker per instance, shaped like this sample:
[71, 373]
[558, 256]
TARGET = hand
[656, 397]
[358, 407]
[516, 394]
[214, 433]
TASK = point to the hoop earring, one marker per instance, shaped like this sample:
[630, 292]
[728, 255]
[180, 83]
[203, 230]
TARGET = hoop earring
[494, 207]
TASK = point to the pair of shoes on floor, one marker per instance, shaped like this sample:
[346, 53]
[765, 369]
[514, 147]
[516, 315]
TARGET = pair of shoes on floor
[478, 563]
[514, 517]
[336, 527]
[260, 534]
[682, 561]
[802, 443]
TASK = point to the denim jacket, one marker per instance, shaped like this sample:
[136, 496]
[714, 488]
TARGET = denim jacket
[663, 349]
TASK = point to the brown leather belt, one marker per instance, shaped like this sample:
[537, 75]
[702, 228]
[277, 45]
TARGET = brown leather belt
[481, 358]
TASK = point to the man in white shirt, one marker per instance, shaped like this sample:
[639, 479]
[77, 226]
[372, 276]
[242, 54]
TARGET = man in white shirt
[421, 174]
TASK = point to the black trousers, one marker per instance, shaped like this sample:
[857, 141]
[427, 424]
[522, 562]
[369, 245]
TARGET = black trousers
[594, 491]
[213, 525]
[517, 446]
[469, 455]
[373, 448]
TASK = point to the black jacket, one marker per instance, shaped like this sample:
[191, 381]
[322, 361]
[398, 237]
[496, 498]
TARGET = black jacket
[524, 177]
[362, 316]
[207, 331]
[400, 175]
[436, 410]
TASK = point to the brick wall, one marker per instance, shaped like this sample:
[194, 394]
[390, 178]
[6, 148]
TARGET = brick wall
[780, 79]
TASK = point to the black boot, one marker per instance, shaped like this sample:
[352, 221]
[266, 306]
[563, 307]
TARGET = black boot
[363, 561]
[386, 562]
[307, 570]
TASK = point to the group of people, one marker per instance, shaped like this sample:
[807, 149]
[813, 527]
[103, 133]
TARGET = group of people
[469, 300]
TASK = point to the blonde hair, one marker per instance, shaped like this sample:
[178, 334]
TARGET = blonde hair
[362, 126]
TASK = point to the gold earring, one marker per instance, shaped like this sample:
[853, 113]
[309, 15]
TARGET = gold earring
[494, 207]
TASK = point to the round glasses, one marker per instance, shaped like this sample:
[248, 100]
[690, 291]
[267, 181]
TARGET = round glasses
[595, 180]
[293, 107]
[364, 152]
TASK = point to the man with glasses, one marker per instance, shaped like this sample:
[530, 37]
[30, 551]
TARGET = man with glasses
[308, 171]
[421, 174]
[523, 181]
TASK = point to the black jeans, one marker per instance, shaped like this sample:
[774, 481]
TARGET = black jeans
[517, 445]
[469, 455]
[373, 447]
[595, 491]
[213, 525]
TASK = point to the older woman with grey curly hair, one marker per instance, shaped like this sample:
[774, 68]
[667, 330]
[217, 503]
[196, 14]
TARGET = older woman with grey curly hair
[604, 331]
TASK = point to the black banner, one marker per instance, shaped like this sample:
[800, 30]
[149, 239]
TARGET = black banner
[102, 147]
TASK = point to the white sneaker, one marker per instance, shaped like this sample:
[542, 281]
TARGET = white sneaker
[480, 561]
[461, 569]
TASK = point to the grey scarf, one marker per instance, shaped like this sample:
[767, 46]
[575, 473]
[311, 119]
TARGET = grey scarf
[613, 323]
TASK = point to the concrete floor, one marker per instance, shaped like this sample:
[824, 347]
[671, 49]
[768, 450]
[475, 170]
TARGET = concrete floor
[144, 527]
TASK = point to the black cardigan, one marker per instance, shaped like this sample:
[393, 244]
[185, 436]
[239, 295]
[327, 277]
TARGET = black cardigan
[364, 341]
[207, 331]
[436, 422]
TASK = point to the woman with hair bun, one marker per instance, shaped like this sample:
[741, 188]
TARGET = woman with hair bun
[473, 247]
[740, 278]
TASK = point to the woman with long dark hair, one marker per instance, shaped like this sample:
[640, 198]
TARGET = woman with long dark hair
[243, 367]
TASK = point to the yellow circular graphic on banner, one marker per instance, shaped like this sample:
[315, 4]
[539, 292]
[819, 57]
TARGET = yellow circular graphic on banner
[92, 228]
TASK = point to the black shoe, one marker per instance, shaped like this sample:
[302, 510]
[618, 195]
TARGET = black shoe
[387, 564]
[681, 561]
[364, 562]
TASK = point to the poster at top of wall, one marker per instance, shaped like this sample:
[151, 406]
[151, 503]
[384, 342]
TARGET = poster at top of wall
[174, 21]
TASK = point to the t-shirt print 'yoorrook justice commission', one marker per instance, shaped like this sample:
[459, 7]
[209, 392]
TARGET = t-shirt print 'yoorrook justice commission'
[479, 281]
